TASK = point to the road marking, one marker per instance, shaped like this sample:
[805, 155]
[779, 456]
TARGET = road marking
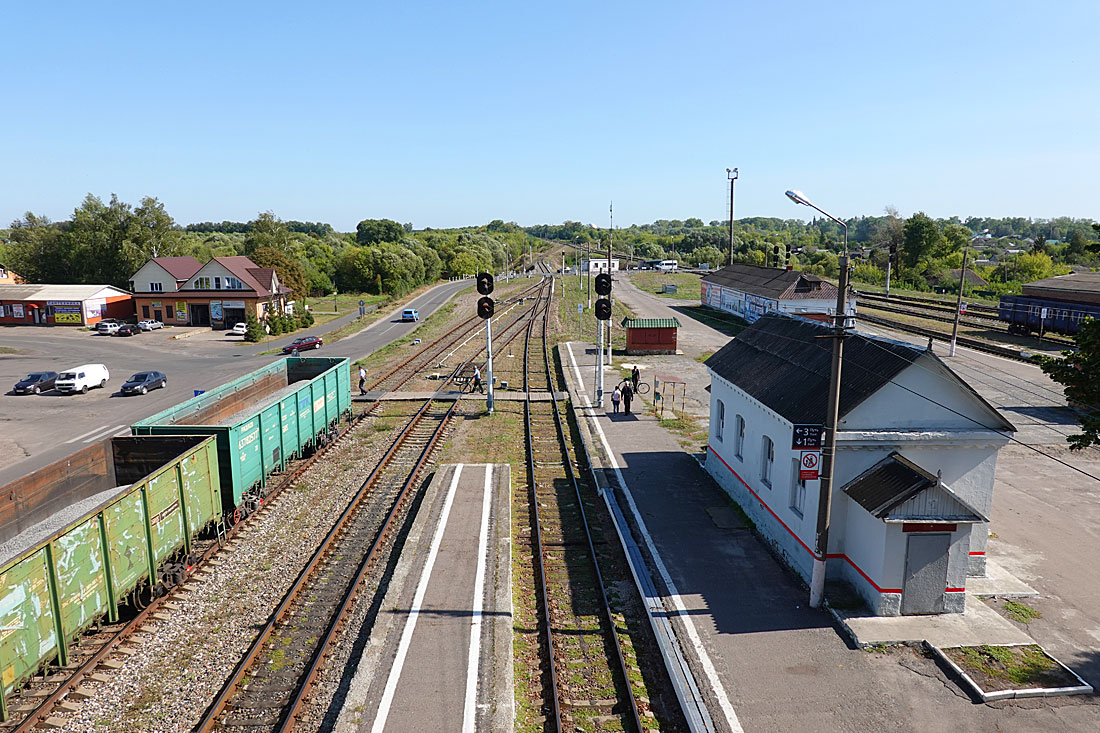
[414, 611]
[105, 433]
[704, 659]
[469, 721]
[85, 435]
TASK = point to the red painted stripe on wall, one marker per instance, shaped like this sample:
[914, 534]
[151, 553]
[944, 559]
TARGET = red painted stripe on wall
[954, 590]
[781, 522]
[977, 553]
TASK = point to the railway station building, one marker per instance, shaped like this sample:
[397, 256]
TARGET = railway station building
[750, 291]
[182, 291]
[913, 473]
[62, 305]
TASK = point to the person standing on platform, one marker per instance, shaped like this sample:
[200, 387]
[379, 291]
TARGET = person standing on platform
[477, 386]
[628, 395]
[635, 375]
[362, 381]
[615, 397]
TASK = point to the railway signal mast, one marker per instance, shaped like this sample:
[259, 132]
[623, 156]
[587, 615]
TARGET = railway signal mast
[485, 307]
[603, 314]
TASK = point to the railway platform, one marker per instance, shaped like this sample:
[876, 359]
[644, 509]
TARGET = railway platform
[439, 656]
[758, 655]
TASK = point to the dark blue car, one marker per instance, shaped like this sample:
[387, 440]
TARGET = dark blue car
[35, 383]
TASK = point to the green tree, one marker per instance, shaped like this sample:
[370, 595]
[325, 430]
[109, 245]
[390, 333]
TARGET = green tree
[372, 231]
[1079, 373]
[709, 254]
[254, 330]
[956, 237]
[1032, 266]
[289, 271]
[269, 231]
[922, 239]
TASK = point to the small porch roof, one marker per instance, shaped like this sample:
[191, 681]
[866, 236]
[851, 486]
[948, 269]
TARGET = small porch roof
[897, 490]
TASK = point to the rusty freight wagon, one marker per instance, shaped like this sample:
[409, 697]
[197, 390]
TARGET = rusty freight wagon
[92, 532]
[262, 420]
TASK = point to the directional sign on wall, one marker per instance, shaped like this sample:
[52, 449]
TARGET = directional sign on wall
[807, 437]
[808, 466]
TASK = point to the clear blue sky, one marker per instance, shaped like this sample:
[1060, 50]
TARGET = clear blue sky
[448, 114]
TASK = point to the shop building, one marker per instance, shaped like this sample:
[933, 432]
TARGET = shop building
[62, 305]
[181, 291]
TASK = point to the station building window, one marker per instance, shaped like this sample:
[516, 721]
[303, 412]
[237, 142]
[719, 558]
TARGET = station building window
[721, 420]
[739, 438]
[767, 461]
[798, 489]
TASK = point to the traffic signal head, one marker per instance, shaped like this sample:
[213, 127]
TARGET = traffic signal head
[485, 307]
[603, 309]
[603, 284]
[484, 283]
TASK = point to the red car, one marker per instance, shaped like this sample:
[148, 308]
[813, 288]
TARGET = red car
[303, 343]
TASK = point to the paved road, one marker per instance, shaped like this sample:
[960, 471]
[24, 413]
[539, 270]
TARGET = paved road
[38, 430]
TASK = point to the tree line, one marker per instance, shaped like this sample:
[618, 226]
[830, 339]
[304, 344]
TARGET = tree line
[105, 242]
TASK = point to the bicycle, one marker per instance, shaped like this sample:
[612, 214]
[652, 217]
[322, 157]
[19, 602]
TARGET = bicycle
[643, 387]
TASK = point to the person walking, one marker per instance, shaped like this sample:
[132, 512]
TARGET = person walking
[477, 386]
[615, 397]
[628, 395]
[635, 375]
[362, 381]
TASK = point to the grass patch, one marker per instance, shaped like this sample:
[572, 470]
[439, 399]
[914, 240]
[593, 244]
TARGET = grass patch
[1020, 612]
[720, 321]
[573, 326]
[688, 286]
[9, 350]
[702, 358]
[1010, 667]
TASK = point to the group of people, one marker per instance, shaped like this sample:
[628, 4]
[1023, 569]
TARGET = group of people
[625, 391]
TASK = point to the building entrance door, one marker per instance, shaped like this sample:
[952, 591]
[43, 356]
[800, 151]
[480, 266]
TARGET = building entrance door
[200, 314]
[925, 573]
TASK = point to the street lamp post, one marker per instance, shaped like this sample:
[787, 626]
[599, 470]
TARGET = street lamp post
[824, 499]
[731, 174]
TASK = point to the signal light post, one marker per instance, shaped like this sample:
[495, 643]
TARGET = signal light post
[603, 315]
[485, 307]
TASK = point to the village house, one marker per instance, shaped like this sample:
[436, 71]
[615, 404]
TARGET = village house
[914, 468]
[750, 291]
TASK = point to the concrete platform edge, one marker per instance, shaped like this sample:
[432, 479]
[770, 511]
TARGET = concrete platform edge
[686, 686]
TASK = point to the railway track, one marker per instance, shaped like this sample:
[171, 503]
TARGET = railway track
[91, 660]
[587, 679]
[273, 680]
[270, 687]
[932, 304]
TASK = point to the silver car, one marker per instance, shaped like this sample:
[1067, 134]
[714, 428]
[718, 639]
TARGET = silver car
[150, 325]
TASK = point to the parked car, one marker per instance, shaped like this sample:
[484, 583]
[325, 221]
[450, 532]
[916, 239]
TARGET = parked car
[142, 382]
[127, 329]
[108, 326]
[35, 383]
[150, 325]
[410, 314]
[303, 343]
[82, 378]
[239, 329]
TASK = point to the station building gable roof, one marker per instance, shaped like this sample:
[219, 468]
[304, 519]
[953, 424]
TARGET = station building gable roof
[784, 363]
[771, 282]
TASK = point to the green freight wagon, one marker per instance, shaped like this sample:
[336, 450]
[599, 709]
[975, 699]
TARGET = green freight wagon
[262, 420]
[82, 536]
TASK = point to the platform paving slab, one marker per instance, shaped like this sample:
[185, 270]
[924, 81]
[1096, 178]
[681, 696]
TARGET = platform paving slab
[416, 660]
[997, 581]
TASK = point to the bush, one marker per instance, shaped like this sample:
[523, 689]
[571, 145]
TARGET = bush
[275, 323]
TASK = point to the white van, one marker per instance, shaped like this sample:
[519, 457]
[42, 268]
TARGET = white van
[82, 378]
[667, 266]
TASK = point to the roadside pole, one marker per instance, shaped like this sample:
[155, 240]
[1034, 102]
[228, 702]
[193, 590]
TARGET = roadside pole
[599, 366]
[824, 498]
[888, 264]
[489, 365]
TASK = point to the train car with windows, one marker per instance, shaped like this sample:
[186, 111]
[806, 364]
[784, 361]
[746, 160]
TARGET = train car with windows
[106, 527]
[1055, 304]
[262, 420]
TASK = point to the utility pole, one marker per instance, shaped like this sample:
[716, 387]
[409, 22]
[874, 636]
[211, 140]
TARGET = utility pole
[599, 365]
[824, 499]
[731, 174]
[888, 264]
[958, 305]
[489, 365]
